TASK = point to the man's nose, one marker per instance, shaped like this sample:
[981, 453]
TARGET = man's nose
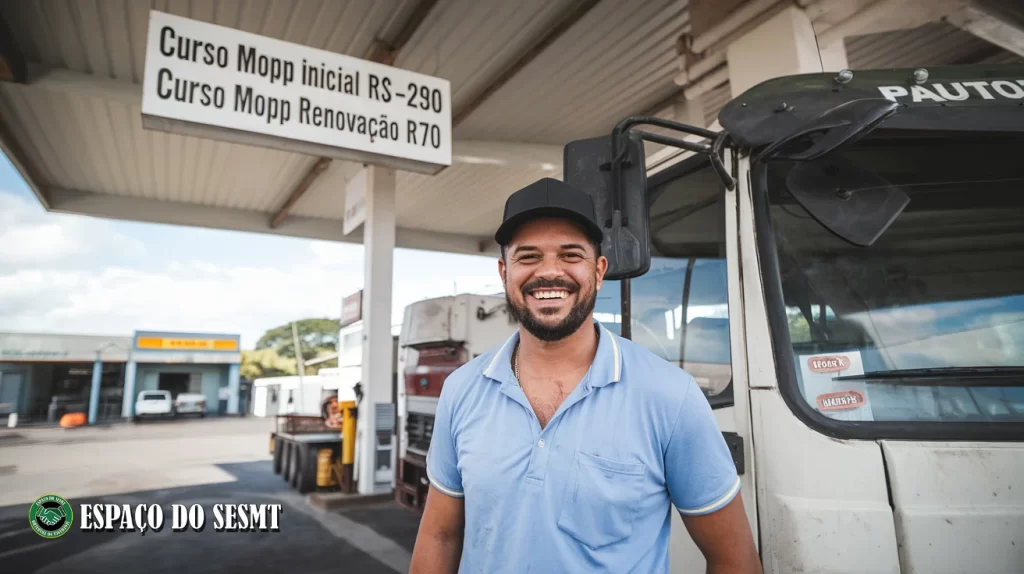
[550, 267]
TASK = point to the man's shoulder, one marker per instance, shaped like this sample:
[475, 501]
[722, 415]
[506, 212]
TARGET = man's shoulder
[655, 375]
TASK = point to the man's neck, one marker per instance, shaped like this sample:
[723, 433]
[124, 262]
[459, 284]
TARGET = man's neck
[569, 354]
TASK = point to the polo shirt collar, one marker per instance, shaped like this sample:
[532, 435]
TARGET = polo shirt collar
[606, 368]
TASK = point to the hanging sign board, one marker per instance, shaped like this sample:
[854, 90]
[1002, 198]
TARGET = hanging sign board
[221, 83]
[352, 308]
[145, 341]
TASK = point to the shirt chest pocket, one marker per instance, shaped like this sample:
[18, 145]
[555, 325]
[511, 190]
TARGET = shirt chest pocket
[602, 500]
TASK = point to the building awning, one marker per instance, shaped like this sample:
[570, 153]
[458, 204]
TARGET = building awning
[526, 77]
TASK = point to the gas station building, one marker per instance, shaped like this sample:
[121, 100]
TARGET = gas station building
[44, 376]
[500, 88]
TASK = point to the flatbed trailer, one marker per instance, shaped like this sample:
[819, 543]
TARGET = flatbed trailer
[310, 455]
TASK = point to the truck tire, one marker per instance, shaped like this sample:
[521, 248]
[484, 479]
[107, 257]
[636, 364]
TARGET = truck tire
[277, 454]
[306, 481]
[293, 466]
[286, 462]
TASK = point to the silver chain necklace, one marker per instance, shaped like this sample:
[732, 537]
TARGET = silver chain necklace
[515, 362]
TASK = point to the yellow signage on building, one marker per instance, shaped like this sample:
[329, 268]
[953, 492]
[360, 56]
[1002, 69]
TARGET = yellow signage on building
[180, 344]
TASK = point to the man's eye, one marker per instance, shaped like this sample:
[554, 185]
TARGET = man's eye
[574, 255]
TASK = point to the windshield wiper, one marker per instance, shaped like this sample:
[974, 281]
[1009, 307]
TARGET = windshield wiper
[946, 376]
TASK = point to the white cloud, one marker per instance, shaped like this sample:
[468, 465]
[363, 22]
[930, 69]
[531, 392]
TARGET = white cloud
[195, 297]
[78, 275]
[30, 237]
[331, 253]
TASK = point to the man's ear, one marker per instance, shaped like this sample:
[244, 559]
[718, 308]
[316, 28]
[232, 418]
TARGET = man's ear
[600, 268]
[501, 269]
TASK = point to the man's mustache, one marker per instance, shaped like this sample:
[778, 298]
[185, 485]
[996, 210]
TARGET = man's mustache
[538, 284]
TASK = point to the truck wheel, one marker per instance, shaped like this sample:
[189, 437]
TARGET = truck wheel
[277, 454]
[294, 461]
[307, 469]
[289, 452]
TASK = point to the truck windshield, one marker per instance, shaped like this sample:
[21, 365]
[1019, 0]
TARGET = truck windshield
[927, 323]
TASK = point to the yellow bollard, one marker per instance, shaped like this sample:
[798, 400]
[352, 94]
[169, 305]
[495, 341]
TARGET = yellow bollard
[348, 432]
[348, 444]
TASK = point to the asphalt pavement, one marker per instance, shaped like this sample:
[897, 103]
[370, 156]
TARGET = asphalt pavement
[201, 462]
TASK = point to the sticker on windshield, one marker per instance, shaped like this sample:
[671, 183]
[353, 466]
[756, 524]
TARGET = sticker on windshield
[830, 364]
[841, 400]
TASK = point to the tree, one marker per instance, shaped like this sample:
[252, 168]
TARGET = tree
[265, 363]
[317, 337]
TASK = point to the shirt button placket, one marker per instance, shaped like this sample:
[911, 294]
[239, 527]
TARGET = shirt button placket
[539, 460]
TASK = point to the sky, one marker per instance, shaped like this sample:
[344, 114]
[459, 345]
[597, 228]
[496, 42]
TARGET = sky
[84, 275]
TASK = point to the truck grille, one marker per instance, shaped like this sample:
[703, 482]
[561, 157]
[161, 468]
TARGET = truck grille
[420, 427]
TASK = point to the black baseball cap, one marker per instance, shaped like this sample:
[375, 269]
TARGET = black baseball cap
[545, 198]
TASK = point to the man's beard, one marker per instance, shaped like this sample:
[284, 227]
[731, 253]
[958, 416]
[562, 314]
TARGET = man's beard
[567, 326]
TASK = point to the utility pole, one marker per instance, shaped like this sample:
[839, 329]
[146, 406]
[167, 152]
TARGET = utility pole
[300, 365]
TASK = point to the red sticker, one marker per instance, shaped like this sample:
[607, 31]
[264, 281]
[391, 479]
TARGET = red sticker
[832, 364]
[841, 401]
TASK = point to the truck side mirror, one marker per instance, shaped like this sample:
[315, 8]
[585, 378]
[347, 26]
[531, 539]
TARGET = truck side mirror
[621, 209]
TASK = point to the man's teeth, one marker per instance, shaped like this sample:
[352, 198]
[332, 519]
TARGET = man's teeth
[550, 294]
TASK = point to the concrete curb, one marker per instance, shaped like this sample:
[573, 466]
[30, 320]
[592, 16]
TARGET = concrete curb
[338, 501]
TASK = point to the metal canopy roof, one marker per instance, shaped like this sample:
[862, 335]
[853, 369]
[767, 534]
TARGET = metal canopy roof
[526, 77]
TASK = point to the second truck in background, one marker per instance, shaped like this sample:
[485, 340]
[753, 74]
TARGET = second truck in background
[438, 336]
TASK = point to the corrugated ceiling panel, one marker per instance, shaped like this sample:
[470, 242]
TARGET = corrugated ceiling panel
[476, 194]
[326, 197]
[714, 100]
[468, 42]
[933, 44]
[107, 38]
[83, 143]
[618, 59]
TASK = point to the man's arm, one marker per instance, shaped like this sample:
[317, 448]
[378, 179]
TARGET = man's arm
[704, 486]
[438, 547]
[725, 539]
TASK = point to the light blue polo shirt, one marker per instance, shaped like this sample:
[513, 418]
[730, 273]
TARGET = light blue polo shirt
[591, 492]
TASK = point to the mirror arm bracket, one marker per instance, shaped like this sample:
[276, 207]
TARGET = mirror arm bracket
[716, 160]
[714, 151]
[631, 121]
[674, 142]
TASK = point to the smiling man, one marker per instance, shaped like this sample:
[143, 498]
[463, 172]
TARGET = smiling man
[564, 449]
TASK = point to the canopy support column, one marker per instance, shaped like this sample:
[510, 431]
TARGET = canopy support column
[780, 46]
[376, 444]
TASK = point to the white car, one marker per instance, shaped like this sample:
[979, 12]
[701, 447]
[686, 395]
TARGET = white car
[154, 404]
[190, 404]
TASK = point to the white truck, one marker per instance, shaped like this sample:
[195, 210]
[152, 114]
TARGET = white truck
[438, 336]
[850, 249]
[841, 268]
